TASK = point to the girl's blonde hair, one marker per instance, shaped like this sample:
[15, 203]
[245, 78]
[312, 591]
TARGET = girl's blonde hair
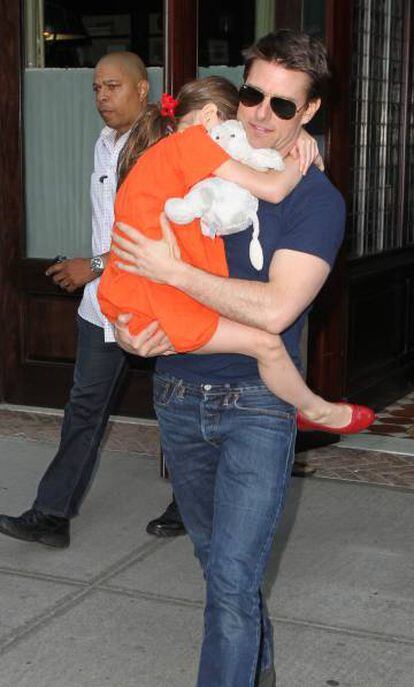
[151, 125]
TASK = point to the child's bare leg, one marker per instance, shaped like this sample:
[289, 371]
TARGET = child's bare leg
[276, 370]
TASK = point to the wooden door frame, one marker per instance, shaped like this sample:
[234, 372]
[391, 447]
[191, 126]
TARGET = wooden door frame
[328, 322]
[11, 195]
[180, 43]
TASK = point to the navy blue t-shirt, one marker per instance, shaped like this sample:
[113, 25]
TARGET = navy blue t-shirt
[310, 220]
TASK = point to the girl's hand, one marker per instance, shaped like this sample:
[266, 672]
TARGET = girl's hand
[307, 152]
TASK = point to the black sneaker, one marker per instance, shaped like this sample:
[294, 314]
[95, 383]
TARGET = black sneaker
[169, 524]
[36, 526]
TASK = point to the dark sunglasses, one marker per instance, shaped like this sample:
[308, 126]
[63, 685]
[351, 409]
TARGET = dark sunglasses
[250, 96]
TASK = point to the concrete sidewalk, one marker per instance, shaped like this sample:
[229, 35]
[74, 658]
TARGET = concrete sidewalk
[123, 609]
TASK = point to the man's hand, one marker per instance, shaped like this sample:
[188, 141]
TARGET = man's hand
[150, 342]
[71, 274]
[155, 260]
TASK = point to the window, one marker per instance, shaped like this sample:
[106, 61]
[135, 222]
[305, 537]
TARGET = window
[64, 40]
[382, 141]
[74, 33]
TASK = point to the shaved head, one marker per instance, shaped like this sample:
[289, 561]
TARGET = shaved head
[121, 89]
[128, 61]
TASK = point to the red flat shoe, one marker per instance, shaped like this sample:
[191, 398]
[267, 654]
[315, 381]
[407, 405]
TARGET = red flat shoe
[362, 417]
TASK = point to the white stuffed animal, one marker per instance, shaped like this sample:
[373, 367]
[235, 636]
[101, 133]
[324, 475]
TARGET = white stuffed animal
[222, 206]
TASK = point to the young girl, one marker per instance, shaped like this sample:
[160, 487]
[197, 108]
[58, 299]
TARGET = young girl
[168, 168]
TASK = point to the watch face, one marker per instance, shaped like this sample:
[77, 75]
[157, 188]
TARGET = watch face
[97, 264]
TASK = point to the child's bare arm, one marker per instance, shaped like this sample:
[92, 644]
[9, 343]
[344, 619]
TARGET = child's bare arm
[307, 152]
[274, 185]
[271, 185]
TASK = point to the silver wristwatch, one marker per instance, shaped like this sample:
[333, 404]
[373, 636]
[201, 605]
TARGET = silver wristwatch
[97, 264]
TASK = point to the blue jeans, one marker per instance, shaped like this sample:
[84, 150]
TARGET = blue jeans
[229, 451]
[97, 374]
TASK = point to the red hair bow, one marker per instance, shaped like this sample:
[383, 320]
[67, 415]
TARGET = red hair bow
[168, 105]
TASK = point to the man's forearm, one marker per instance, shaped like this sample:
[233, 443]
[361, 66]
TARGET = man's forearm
[243, 301]
[295, 278]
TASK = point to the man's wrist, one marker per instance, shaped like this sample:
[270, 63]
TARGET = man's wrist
[179, 275]
[97, 264]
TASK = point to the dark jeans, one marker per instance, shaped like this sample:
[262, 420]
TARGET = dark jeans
[97, 374]
[229, 450]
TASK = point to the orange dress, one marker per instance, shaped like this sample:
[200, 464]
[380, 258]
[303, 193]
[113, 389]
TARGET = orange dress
[167, 169]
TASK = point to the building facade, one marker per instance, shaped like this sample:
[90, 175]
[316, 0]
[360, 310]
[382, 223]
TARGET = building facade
[361, 331]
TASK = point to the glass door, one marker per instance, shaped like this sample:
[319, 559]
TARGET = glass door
[62, 41]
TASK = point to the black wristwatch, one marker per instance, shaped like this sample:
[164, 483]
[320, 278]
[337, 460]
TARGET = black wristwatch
[97, 264]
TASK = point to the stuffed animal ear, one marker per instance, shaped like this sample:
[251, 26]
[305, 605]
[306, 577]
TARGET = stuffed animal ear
[255, 249]
[256, 254]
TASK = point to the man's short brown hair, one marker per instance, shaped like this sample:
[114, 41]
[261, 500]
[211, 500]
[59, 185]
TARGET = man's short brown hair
[294, 50]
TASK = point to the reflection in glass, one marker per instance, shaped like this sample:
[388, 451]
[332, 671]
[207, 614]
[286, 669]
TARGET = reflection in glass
[225, 29]
[77, 33]
[64, 40]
